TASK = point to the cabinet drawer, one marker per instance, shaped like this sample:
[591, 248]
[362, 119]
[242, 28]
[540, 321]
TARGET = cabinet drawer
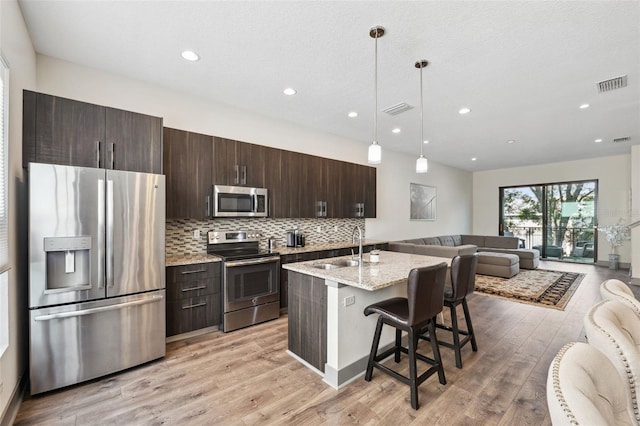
[193, 288]
[192, 314]
[197, 271]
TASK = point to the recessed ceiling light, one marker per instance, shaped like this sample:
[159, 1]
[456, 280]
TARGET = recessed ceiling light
[584, 106]
[353, 114]
[289, 91]
[510, 141]
[598, 140]
[396, 130]
[464, 110]
[190, 55]
[473, 158]
[425, 142]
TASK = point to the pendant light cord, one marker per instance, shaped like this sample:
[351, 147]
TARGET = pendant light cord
[421, 114]
[375, 86]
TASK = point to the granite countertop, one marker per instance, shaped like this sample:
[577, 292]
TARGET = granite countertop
[393, 268]
[190, 259]
[324, 246]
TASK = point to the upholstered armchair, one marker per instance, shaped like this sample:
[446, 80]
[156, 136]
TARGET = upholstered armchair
[617, 290]
[614, 328]
[583, 388]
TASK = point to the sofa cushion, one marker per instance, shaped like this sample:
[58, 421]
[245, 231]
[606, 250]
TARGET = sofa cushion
[466, 249]
[477, 240]
[414, 241]
[447, 240]
[439, 251]
[457, 240]
[495, 241]
[432, 241]
[401, 247]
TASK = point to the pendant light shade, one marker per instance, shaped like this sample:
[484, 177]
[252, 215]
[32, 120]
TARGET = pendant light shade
[422, 166]
[375, 151]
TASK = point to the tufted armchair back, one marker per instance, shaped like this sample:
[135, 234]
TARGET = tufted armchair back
[614, 328]
[617, 290]
[584, 389]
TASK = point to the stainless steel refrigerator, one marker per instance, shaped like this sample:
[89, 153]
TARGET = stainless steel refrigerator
[96, 272]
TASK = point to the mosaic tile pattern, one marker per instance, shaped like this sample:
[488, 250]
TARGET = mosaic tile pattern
[180, 241]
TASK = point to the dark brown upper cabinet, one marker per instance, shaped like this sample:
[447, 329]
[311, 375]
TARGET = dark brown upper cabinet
[64, 131]
[239, 163]
[188, 166]
[134, 141]
[300, 185]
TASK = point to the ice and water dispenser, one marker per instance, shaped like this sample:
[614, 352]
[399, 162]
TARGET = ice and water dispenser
[67, 263]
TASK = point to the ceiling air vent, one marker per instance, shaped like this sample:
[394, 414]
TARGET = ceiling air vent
[612, 84]
[397, 108]
[623, 139]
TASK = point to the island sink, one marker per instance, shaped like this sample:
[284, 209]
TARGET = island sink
[342, 263]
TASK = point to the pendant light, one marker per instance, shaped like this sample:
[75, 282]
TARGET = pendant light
[421, 163]
[375, 151]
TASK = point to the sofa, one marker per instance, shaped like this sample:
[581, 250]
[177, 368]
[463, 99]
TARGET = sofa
[454, 245]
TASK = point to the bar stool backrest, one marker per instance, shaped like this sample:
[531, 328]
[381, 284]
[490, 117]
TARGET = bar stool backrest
[463, 275]
[425, 292]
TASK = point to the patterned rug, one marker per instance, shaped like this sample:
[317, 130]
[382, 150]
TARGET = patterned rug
[542, 287]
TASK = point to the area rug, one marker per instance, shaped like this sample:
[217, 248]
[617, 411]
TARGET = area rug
[542, 287]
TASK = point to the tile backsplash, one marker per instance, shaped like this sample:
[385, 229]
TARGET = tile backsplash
[180, 232]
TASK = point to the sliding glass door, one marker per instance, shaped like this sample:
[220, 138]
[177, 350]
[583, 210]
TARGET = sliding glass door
[558, 219]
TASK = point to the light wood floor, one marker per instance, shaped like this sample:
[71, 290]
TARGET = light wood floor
[245, 377]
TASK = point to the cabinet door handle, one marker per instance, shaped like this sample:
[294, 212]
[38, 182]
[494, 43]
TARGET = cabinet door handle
[208, 204]
[244, 175]
[200, 287]
[197, 305]
[113, 155]
[237, 170]
[98, 154]
[195, 271]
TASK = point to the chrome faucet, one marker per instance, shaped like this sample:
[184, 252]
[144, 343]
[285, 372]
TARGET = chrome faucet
[353, 240]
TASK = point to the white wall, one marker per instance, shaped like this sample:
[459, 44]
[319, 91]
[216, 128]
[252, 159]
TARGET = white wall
[614, 183]
[17, 48]
[180, 111]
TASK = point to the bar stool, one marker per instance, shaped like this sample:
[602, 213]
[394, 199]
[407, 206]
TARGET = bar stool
[463, 279]
[425, 293]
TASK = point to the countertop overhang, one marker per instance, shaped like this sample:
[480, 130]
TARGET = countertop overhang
[392, 268]
[190, 259]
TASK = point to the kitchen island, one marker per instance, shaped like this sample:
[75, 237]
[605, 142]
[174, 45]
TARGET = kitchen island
[328, 331]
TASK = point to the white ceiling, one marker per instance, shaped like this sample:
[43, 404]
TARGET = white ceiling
[523, 67]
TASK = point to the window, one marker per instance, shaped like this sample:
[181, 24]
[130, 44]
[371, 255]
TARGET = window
[4, 217]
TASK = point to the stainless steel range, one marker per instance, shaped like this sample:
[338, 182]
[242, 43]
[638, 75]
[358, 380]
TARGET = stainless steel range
[250, 278]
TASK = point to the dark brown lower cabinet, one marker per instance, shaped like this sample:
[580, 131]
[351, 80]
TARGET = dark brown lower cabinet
[308, 318]
[193, 297]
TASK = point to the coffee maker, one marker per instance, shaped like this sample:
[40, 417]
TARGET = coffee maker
[295, 238]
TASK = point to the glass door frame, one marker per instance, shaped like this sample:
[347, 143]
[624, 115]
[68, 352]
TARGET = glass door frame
[544, 211]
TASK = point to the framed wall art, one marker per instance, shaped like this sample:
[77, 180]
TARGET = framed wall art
[423, 202]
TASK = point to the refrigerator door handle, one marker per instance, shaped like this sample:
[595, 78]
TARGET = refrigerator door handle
[154, 298]
[100, 215]
[109, 233]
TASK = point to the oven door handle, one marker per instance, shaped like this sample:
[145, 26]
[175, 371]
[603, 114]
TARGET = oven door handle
[258, 261]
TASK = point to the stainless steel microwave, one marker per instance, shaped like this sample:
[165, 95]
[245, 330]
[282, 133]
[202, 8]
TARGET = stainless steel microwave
[240, 201]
